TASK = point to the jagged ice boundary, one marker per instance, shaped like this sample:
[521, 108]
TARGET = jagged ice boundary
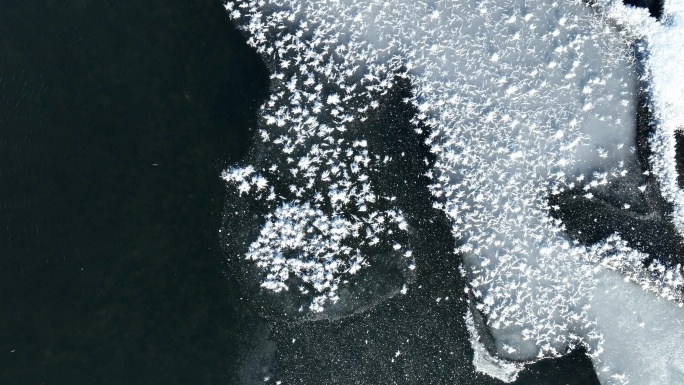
[522, 100]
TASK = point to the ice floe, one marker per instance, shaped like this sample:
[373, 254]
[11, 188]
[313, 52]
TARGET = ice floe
[522, 99]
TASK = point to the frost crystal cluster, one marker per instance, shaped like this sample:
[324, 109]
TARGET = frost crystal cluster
[662, 44]
[329, 213]
[522, 99]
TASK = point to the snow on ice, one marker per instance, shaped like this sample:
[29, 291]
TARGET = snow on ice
[522, 99]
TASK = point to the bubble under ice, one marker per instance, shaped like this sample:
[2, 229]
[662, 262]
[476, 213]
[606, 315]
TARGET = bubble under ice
[522, 100]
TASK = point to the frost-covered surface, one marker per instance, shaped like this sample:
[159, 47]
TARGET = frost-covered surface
[662, 44]
[614, 254]
[300, 239]
[642, 334]
[484, 361]
[522, 99]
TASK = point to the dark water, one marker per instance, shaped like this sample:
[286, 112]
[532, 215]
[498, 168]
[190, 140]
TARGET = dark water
[116, 119]
[655, 7]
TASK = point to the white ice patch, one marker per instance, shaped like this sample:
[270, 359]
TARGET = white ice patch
[523, 99]
[484, 362]
[643, 335]
[663, 47]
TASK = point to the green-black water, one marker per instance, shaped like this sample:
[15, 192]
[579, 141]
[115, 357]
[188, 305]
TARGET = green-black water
[115, 121]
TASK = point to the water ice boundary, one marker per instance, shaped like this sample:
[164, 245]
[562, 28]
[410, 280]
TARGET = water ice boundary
[663, 47]
[298, 216]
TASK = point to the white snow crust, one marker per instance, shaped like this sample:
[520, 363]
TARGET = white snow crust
[485, 362]
[642, 334]
[662, 43]
[523, 99]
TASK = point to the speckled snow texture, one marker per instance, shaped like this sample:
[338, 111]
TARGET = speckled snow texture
[662, 44]
[523, 99]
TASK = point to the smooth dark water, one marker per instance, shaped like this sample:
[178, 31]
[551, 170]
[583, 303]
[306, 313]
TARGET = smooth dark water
[116, 119]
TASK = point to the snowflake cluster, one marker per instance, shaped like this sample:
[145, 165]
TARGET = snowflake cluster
[329, 209]
[522, 100]
[662, 45]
